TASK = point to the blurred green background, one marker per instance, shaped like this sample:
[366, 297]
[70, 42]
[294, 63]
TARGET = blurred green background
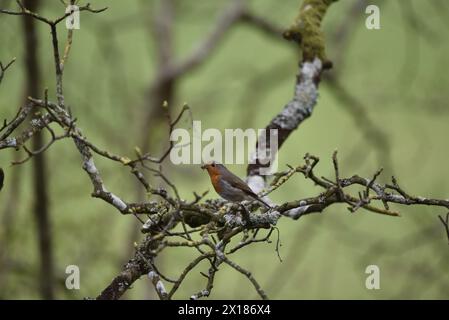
[396, 77]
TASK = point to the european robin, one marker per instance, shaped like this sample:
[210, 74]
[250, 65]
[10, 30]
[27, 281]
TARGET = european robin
[229, 186]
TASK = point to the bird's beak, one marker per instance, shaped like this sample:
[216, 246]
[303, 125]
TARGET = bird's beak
[203, 166]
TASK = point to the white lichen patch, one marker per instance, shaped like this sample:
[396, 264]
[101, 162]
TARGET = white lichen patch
[306, 95]
[272, 216]
[160, 287]
[296, 212]
[397, 198]
[118, 203]
[35, 122]
[151, 275]
[154, 277]
[233, 220]
[90, 167]
[11, 142]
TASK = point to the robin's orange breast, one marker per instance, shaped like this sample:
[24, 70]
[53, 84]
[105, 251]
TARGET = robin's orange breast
[215, 179]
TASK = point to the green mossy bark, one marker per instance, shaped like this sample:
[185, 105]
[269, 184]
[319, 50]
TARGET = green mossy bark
[306, 29]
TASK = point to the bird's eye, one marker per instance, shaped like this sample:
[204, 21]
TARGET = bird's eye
[213, 165]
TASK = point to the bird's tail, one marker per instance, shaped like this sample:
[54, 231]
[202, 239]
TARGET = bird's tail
[263, 202]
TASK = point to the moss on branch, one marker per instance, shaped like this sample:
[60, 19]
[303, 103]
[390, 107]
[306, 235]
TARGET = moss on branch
[306, 30]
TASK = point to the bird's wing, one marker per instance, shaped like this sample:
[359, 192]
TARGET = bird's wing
[236, 182]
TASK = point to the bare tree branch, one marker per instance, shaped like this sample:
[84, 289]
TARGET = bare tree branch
[306, 32]
[25, 12]
[4, 68]
[445, 223]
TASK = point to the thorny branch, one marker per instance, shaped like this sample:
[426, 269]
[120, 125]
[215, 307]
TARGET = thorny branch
[208, 227]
